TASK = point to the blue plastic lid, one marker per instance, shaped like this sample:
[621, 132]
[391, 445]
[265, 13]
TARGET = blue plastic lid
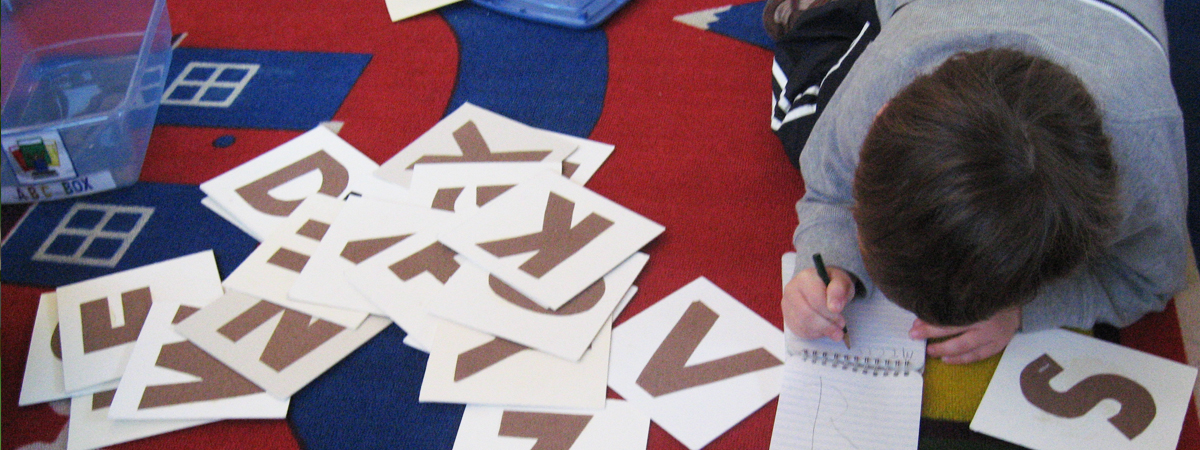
[581, 14]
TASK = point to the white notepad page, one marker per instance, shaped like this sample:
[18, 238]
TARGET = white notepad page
[864, 397]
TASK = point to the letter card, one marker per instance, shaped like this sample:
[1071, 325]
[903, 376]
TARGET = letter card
[363, 228]
[402, 279]
[481, 301]
[272, 268]
[100, 319]
[1060, 390]
[43, 380]
[262, 192]
[279, 349]
[550, 239]
[619, 426]
[169, 377]
[697, 362]
[474, 134]
[89, 426]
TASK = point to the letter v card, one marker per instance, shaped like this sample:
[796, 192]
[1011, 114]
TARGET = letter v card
[550, 239]
[168, 377]
[1060, 390]
[697, 362]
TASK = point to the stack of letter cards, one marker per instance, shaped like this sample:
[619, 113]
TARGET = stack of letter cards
[109, 345]
[1058, 390]
[478, 239]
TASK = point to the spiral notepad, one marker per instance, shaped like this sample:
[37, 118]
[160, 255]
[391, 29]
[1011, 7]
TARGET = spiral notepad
[865, 365]
[864, 397]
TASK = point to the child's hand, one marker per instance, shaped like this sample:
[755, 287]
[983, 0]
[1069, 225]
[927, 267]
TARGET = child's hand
[973, 342]
[812, 310]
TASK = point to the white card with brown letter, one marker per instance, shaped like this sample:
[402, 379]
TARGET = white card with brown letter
[279, 349]
[169, 377]
[619, 426]
[474, 134]
[483, 302]
[550, 239]
[1060, 390]
[264, 191]
[697, 362]
[100, 318]
[364, 228]
[272, 269]
[466, 366]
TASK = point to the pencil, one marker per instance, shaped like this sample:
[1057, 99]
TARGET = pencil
[819, 263]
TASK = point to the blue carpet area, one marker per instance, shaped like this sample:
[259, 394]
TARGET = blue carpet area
[73, 240]
[257, 89]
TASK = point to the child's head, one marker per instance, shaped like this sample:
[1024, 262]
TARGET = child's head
[980, 182]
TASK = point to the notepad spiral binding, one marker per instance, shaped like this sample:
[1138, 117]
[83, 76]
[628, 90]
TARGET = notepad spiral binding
[863, 364]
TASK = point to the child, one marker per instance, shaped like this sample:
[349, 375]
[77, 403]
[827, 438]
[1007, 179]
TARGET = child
[989, 166]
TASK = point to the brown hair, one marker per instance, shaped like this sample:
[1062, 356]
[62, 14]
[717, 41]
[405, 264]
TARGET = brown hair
[980, 182]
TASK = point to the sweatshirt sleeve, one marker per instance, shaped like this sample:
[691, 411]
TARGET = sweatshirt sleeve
[826, 225]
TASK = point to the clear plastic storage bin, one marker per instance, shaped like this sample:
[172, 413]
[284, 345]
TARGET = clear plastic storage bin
[82, 80]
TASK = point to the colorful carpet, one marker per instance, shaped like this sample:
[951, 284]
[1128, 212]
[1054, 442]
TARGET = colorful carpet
[688, 111]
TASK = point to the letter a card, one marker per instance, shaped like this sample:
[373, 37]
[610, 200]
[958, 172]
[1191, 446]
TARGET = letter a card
[279, 349]
[550, 239]
[364, 228]
[697, 362]
[262, 192]
[618, 426]
[169, 377]
[1060, 390]
[100, 319]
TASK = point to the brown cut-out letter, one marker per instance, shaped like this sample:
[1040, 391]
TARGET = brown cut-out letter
[358, 251]
[288, 259]
[437, 259]
[444, 198]
[217, 381]
[1137, 405]
[334, 179]
[484, 194]
[667, 371]
[487, 355]
[475, 149]
[557, 241]
[296, 335]
[313, 229]
[101, 400]
[552, 431]
[56, 343]
[98, 330]
[582, 302]
[249, 320]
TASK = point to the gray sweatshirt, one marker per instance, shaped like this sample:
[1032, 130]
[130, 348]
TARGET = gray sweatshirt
[1125, 70]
